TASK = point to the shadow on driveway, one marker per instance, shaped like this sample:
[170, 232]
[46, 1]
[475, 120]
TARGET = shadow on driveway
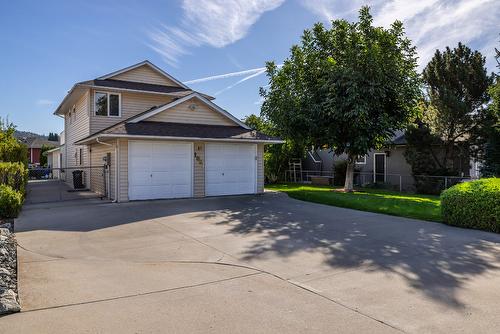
[434, 259]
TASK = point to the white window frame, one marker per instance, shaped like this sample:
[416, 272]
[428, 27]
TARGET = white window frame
[80, 156]
[362, 162]
[108, 104]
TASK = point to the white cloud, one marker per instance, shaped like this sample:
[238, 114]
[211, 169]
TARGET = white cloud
[329, 9]
[431, 24]
[216, 23]
[44, 102]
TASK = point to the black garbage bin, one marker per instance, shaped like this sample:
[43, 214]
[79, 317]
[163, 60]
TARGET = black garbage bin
[78, 179]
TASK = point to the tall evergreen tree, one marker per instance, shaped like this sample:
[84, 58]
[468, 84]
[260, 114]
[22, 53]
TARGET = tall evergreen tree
[491, 158]
[457, 91]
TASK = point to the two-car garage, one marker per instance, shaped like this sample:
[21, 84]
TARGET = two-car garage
[165, 169]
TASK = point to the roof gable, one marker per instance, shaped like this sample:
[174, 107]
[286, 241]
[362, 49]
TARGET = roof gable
[192, 111]
[144, 72]
[181, 111]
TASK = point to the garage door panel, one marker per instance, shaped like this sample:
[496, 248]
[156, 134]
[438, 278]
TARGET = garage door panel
[230, 169]
[139, 192]
[183, 190]
[160, 170]
[140, 163]
[140, 179]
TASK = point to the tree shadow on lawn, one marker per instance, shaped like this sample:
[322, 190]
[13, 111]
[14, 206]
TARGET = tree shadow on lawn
[434, 259]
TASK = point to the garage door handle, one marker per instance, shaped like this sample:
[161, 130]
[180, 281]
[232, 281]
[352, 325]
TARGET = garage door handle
[222, 174]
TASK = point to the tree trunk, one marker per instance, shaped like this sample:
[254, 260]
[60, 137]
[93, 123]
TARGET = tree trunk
[349, 175]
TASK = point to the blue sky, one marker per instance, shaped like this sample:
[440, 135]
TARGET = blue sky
[49, 45]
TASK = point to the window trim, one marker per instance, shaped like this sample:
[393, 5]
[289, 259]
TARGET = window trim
[108, 104]
[80, 156]
[360, 163]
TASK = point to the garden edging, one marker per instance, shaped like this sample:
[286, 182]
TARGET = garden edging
[8, 269]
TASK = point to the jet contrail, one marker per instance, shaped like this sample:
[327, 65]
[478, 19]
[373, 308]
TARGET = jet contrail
[227, 75]
[263, 70]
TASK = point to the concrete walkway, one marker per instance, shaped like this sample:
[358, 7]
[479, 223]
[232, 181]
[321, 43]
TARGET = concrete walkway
[54, 191]
[250, 264]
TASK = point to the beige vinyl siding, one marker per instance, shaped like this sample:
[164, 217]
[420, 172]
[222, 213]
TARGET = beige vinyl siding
[98, 151]
[131, 104]
[122, 170]
[76, 127]
[202, 114]
[260, 168]
[199, 170]
[145, 74]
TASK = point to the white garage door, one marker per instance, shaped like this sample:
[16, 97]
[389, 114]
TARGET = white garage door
[159, 170]
[230, 169]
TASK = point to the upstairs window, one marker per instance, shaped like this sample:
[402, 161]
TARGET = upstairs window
[107, 104]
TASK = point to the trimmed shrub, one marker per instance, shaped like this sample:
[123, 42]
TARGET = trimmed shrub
[15, 175]
[11, 202]
[473, 204]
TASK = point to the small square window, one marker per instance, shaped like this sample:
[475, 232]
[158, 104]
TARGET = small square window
[107, 104]
[114, 105]
[361, 160]
[101, 104]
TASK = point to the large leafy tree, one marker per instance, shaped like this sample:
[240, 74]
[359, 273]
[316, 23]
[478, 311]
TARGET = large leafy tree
[348, 87]
[491, 129]
[457, 84]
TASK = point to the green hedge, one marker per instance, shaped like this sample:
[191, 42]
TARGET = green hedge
[15, 175]
[11, 202]
[473, 204]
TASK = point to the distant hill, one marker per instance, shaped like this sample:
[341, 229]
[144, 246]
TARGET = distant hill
[27, 134]
[28, 137]
[31, 138]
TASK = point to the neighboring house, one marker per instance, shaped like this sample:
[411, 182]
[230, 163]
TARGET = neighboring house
[387, 165]
[34, 143]
[35, 148]
[159, 138]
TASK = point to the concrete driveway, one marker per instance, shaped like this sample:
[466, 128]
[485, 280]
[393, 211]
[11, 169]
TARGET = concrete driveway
[249, 264]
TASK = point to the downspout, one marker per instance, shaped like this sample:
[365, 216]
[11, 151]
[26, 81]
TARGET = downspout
[100, 142]
[117, 170]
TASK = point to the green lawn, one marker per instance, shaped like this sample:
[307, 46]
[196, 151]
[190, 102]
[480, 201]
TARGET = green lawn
[424, 207]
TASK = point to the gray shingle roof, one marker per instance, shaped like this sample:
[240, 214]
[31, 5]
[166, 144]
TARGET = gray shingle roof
[110, 83]
[401, 140]
[184, 130]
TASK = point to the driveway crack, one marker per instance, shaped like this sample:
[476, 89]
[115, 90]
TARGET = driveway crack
[142, 293]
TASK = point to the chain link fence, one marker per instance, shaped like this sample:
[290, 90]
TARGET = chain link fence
[425, 184]
[77, 179]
